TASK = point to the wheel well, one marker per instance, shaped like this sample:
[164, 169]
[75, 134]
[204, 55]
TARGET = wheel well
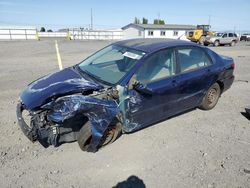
[221, 85]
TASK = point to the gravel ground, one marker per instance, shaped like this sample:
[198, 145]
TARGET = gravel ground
[196, 149]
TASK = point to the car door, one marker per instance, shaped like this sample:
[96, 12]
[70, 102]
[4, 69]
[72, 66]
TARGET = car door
[156, 98]
[230, 37]
[195, 76]
[224, 39]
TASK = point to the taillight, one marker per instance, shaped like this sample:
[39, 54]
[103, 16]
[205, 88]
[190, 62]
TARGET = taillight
[233, 66]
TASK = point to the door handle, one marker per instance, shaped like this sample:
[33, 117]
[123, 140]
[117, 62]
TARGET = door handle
[174, 82]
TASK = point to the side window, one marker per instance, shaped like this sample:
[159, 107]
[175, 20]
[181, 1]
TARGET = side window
[225, 35]
[192, 58]
[230, 34]
[150, 33]
[175, 33]
[235, 35]
[158, 66]
[163, 33]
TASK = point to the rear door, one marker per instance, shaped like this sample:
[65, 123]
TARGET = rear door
[195, 68]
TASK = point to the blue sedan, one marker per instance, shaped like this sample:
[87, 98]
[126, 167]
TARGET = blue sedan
[122, 88]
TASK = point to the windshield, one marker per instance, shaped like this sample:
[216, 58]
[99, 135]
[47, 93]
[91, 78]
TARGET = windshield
[111, 63]
[218, 34]
[203, 27]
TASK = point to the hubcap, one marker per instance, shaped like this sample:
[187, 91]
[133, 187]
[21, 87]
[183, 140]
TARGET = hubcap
[212, 96]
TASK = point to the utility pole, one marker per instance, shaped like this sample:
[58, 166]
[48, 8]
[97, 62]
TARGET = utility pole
[159, 18]
[209, 19]
[91, 20]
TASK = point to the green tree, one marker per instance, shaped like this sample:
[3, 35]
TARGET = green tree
[49, 30]
[144, 21]
[137, 21]
[42, 29]
[156, 21]
[159, 22]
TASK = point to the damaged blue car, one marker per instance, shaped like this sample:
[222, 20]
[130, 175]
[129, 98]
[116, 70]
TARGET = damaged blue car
[122, 88]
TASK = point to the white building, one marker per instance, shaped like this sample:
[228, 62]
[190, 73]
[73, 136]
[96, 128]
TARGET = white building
[156, 31]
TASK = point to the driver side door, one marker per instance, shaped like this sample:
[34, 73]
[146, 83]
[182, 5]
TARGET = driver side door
[156, 95]
[224, 39]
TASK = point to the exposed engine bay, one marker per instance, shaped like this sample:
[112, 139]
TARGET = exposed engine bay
[60, 120]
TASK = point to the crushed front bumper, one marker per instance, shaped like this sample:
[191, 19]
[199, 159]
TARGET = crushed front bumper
[27, 130]
[46, 136]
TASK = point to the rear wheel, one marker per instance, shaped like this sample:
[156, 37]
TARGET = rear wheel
[211, 98]
[232, 43]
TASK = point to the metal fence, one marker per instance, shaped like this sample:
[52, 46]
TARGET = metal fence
[95, 34]
[25, 33]
[53, 34]
[18, 33]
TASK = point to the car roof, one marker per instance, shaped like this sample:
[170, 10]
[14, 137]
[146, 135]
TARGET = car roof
[152, 45]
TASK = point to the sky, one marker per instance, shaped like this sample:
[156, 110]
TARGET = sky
[54, 14]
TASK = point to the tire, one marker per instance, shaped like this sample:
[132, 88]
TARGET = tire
[202, 40]
[211, 98]
[85, 136]
[216, 43]
[112, 133]
[232, 43]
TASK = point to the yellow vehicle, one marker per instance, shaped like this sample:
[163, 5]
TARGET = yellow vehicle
[200, 33]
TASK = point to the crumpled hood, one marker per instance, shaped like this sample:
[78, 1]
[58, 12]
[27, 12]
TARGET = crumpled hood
[55, 85]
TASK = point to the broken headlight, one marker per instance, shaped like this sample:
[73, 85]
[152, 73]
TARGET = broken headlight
[62, 108]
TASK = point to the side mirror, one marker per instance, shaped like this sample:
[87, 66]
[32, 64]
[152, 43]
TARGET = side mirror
[138, 86]
[132, 82]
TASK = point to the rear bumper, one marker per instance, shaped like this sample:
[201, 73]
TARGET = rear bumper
[228, 83]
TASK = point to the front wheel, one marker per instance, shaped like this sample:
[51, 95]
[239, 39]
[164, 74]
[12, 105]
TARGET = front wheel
[216, 43]
[202, 40]
[110, 135]
[85, 136]
[211, 98]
